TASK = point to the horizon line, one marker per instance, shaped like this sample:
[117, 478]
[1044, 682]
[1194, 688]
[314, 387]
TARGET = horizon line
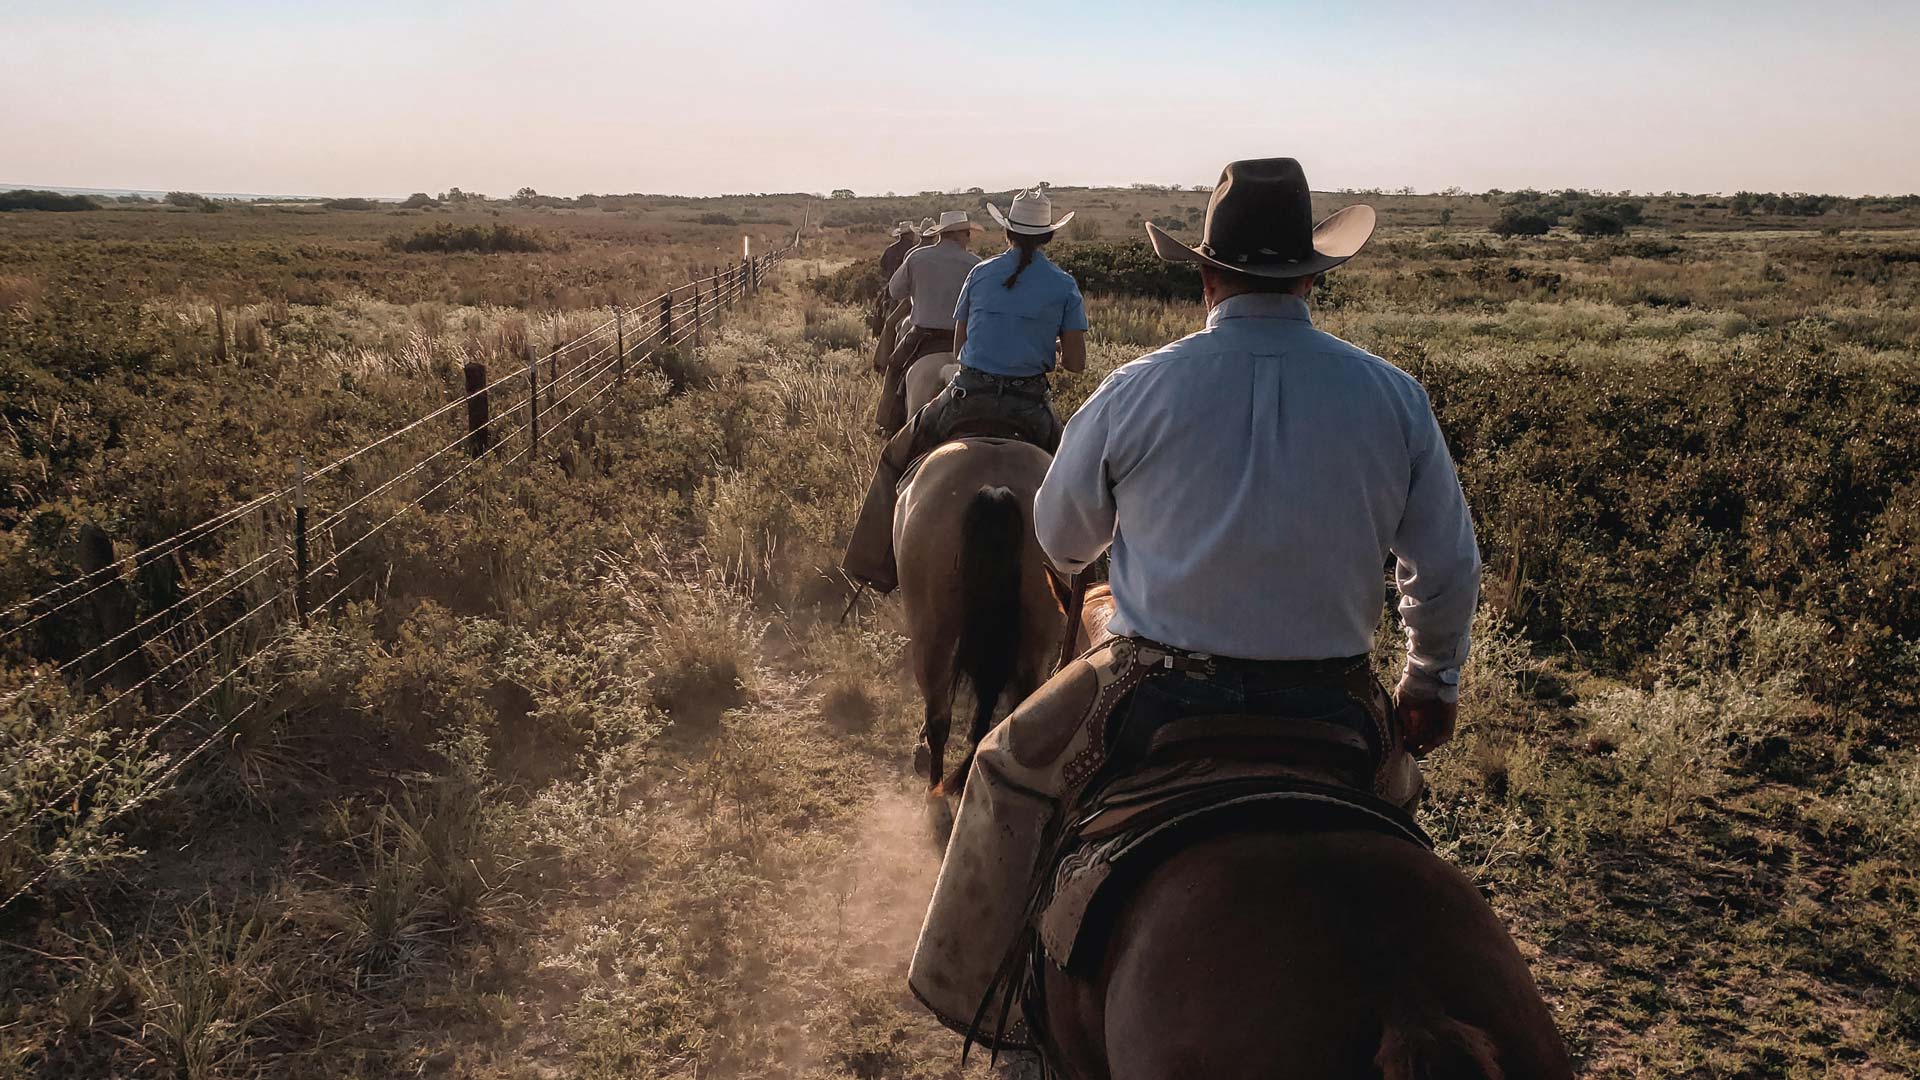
[1401, 191]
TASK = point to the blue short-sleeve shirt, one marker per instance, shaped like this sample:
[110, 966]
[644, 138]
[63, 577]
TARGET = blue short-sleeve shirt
[1012, 331]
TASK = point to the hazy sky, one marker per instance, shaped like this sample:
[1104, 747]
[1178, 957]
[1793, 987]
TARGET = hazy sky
[570, 96]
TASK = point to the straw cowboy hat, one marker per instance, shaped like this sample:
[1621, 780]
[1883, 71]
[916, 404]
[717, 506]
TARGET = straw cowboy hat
[1030, 213]
[951, 221]
[905, 228]
[926, 226]
[1260, 222]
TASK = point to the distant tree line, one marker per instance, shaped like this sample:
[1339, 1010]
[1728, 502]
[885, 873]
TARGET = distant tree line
[29, 199]
[1597, 213]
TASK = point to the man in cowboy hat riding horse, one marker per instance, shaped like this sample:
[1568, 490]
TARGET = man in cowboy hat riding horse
[905, 239]
[882, 322]
[1251, 480]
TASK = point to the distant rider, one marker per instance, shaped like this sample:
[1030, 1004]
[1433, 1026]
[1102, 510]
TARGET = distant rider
[1013, 313]
[905, 239]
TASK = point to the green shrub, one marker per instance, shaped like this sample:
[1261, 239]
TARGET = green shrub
[187, 200]
[1519, 221]
[718, 217]
[1128, 268]
[446, 239]
[419, 200]
[349, 204]
[1623, 498]
[1591, 222]
[857, 282]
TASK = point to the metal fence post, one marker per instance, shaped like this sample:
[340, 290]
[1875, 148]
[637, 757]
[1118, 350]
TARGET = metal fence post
[476, 408]
[300, 561]
[533, 404]
[620, 343]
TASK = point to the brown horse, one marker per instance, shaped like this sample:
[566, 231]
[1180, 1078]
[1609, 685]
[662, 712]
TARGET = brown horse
[979, 604]
[1261, 952]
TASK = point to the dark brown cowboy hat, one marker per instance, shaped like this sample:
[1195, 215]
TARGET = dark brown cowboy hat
[1260, 222]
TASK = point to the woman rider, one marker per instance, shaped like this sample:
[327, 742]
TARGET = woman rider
[1015, 310]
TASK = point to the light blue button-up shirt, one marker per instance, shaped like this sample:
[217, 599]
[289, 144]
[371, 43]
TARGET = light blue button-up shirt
[1253, 479]
[1012, 331]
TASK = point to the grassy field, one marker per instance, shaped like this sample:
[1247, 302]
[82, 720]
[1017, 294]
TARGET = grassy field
[584, 777]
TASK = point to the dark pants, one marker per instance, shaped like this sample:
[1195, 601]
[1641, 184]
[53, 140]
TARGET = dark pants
[975, 404]
[1342, 692]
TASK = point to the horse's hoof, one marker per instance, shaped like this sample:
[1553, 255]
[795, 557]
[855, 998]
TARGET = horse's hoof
[922, 760]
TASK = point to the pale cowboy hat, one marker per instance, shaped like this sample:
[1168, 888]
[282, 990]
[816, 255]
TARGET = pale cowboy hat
[926, 226]
[905, 228]
[951, 221]
[1031, 212]
[1260, 222]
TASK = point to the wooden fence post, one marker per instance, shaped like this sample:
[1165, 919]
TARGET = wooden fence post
[533, 405]
[698, 319]
[620, 344]
[476, 408]
[746, 278]
[300, 561]
[666, 318]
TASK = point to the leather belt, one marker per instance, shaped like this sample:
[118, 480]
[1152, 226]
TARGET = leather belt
[1185, 660]
[977, 380]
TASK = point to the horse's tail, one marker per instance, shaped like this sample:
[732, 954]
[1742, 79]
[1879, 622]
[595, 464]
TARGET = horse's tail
[1437, 1049]
[991, 541]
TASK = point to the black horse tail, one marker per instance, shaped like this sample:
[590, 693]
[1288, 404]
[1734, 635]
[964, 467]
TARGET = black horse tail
[1439, 1049]
[991, 541]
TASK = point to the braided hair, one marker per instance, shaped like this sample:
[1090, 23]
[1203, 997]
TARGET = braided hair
[1028, 243]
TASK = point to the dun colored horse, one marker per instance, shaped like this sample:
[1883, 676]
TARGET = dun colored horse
[927, 377]
[980, 609]
[1264, 952]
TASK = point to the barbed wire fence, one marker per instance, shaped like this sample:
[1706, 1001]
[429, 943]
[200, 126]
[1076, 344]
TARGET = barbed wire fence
[217, 631]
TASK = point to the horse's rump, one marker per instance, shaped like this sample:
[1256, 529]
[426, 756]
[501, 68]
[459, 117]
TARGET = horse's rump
[927, 376]
[1341, 953]
[973, 581]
